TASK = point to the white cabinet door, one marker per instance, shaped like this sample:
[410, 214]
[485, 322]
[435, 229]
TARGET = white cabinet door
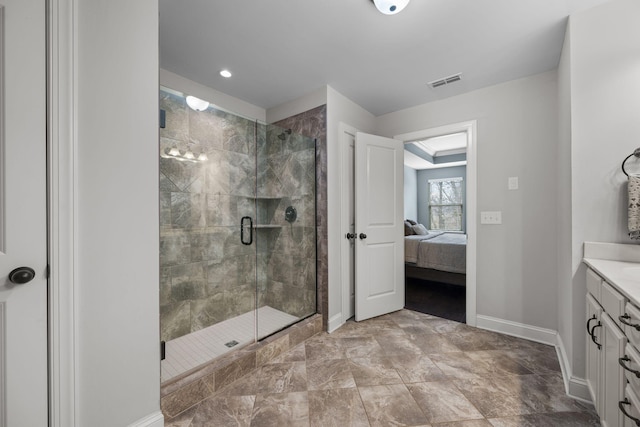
[613, 382]
[594, 351]
[23, 306]
[379, 178]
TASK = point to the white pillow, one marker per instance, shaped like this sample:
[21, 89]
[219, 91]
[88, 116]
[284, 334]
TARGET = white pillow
[420, 229]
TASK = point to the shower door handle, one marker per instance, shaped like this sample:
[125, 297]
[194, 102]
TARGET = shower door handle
[242, 227]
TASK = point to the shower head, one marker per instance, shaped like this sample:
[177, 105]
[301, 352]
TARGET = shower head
[284, 134]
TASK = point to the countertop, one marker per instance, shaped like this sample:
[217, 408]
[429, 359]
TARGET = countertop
[618, 264]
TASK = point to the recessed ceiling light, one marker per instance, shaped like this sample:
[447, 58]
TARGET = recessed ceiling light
[225, 73]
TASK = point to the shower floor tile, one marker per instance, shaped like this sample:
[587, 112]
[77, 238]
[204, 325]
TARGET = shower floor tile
[192, 350]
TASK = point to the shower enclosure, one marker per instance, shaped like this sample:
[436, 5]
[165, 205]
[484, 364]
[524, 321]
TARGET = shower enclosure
[237, 231]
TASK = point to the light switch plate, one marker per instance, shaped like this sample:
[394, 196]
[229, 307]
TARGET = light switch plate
[513, 183]
[494, 217]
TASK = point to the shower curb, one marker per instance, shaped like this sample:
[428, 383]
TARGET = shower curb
[183, 392]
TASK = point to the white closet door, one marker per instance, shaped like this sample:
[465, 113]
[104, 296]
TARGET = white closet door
[379, 182]
[23, 233]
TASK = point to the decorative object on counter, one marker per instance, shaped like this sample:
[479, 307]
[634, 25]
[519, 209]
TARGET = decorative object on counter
[635, 153]
[634, 198]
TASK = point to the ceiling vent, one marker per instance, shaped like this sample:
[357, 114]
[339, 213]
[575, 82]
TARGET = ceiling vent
[446, 80]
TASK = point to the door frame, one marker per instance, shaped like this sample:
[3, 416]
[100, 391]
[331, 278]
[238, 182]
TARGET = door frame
[470, 128]
[345, 246]
[62, 206]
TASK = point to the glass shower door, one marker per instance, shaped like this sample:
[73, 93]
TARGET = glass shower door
[208, 275]
[286, 229]
[237, 231]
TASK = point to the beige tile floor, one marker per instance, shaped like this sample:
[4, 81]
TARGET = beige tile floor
[401, 369]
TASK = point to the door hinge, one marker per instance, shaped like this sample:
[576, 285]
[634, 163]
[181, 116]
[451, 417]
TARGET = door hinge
[163, 350]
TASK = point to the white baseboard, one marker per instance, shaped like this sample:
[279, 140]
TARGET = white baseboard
[152, 420]
[520, 330]
[575, 387]
[334, 322]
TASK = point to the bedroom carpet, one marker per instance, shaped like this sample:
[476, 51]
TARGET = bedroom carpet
[438, 299]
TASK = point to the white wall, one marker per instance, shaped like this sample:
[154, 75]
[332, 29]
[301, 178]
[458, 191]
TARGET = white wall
[563, 218]
[604, 79]
[516, 136]
[410, 193]
[300, 105]
[339, 109]
[117, 337]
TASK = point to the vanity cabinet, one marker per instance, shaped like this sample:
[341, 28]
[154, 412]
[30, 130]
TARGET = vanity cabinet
[612, 359]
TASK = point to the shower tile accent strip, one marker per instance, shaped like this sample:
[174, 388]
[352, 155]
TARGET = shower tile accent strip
[185, 391]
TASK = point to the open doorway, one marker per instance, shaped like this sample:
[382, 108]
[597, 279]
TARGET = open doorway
[440, 213]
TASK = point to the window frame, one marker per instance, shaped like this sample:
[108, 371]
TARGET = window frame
[441, 205]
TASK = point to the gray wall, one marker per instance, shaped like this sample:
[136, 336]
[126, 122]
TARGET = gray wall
[516, 132]
[600, 100]
[410, 193]
[423, 191]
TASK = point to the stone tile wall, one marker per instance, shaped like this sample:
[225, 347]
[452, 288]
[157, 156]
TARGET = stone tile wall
[313, 124]
[286, 251]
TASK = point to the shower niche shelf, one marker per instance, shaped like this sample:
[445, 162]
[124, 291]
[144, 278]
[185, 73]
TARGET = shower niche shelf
[267, 226]
[268, 197]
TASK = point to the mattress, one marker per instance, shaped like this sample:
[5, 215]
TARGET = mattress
[439, 251]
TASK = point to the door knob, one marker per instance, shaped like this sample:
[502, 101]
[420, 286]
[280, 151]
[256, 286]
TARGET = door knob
[351, 235]
[22, 275]
[363, 236]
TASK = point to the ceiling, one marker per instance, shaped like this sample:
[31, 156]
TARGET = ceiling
[437, 152]
[280, 50]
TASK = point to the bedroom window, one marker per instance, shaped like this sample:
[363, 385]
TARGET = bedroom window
[445, 204]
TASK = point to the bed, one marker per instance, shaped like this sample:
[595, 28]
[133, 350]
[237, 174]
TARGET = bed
[437, 256]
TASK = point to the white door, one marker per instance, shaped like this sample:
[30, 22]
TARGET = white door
[23, 306]
[379, 183]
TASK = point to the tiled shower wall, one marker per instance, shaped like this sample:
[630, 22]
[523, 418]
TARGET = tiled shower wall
[207, 275]
[313, 124]
[286, 250]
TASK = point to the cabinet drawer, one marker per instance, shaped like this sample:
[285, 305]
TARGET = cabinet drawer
[594, 284]
[631, 319]
[630, 407]
[631, 365]
[613, 302]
